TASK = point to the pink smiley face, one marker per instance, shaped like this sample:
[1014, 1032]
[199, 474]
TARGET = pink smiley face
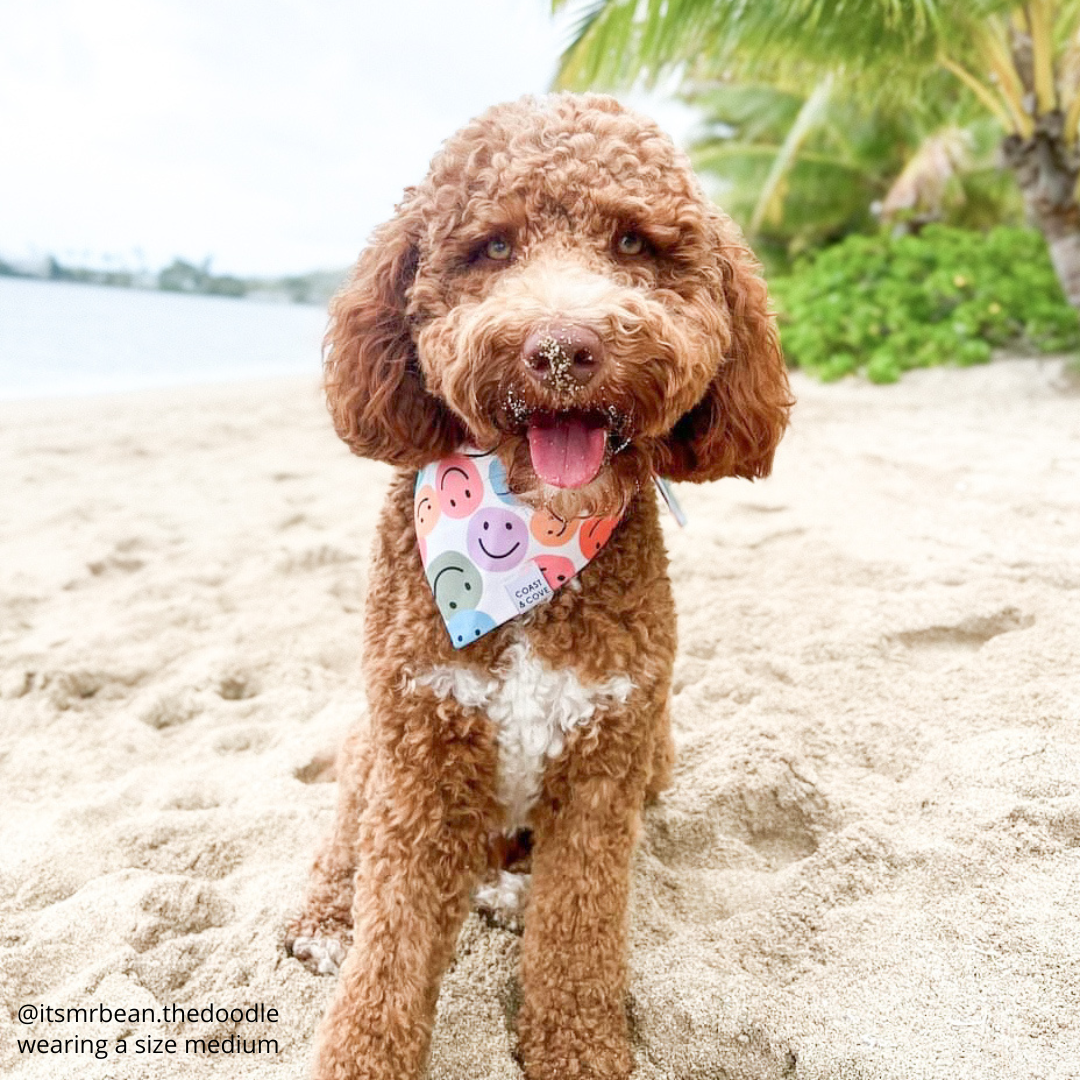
[594, 534]
[557, 571]
[552, 531]
[426, 511]
[458, 486]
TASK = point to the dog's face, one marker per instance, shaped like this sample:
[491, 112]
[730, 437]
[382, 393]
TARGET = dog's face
[560, 289]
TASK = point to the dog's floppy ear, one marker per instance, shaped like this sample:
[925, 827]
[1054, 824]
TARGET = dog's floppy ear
[735, 428]
[372, 375]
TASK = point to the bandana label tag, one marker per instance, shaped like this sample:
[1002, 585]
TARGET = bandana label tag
[529, 589]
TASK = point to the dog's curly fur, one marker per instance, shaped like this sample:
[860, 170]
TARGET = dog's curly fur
[425, 352]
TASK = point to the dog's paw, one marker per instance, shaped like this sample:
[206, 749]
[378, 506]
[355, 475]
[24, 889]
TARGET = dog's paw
[320, 955]
[503, 899]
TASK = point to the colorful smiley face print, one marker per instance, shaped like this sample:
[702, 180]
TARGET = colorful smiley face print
[455, 583]
[557, 571]
[458, 486]
[498, 539]
[594, 534]
[426, 510]
[488, 556]
[552, 531]
[467, 626]
[500, 485]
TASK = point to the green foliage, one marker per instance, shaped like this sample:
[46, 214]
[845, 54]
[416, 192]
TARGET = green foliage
[181, 276]
[1015, 62]
[885, 305]
[184, 277]
[817, 112]
[614, 42]
[121, 278]
[843, 165]
[789, 192]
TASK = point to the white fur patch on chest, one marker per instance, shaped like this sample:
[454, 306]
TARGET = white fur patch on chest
[534, 708]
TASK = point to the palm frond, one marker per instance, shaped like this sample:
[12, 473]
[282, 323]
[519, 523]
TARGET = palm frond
[616, 41]
[818, 107]
[1041, 21]
[1069, 79]
[598, 40]
[751, 110]
[811, 114]
[979, 89]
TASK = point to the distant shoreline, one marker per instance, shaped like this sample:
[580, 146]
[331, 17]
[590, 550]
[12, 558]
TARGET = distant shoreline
[180, 276]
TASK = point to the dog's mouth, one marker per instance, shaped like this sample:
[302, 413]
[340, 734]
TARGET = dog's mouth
[568, 448]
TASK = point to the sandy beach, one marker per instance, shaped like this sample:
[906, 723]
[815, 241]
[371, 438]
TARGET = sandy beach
[868, 867]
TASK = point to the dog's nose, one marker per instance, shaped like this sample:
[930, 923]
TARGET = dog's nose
[563, 357]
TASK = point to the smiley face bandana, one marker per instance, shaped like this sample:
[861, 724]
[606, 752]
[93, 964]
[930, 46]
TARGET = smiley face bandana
[489, 557]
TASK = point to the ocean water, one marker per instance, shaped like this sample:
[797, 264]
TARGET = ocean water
[59, 339]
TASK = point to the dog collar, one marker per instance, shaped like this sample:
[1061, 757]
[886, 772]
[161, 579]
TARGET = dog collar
[487, 555]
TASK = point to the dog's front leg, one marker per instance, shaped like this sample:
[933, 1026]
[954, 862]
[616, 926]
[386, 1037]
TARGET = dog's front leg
[573, 953]
[421, 842]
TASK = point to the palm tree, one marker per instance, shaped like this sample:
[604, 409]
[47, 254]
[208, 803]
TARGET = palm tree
[793, 165]
[801, 168]
[1019, 59]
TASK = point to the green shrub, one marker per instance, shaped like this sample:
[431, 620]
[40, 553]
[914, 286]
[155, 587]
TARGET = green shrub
[885, 304]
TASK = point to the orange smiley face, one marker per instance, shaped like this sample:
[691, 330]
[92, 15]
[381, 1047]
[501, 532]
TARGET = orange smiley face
[459, 489]
[595, 533]
[550, 530]
[426, 511]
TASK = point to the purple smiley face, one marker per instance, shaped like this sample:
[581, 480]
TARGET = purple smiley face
[498, 539]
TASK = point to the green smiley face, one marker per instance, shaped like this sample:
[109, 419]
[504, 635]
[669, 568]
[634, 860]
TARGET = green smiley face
[455, 583]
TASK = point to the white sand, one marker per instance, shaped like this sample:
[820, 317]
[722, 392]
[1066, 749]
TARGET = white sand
[869, 866]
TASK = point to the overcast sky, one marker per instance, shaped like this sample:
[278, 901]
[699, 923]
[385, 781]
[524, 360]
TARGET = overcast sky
[270, 135]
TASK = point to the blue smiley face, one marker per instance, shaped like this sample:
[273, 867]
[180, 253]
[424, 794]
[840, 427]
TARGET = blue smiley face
[498, 539]
[455, 583]
[500, 486]
[467, 626]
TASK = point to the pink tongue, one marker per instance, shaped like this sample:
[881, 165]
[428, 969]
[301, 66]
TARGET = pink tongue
[568, 453]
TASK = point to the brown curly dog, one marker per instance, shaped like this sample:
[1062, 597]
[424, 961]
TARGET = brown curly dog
[559, 292]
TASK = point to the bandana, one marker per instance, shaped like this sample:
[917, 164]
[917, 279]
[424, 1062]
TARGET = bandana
[488, 556]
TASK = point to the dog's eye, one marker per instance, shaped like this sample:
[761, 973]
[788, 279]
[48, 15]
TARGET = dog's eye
[630, 243]
[498, 249]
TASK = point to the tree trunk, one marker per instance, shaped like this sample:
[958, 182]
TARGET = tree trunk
[1047, 169]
